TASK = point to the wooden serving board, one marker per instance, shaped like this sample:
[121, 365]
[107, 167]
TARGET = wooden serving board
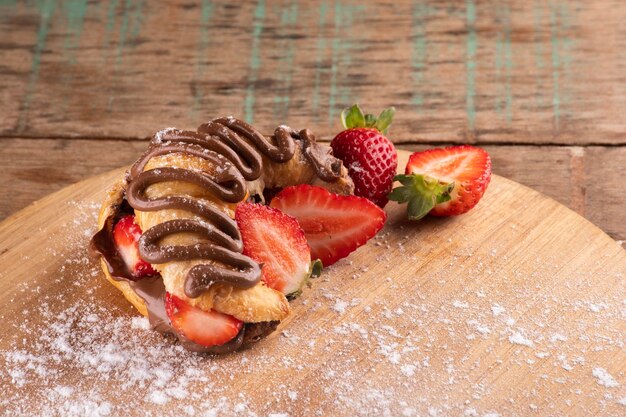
[515, 308]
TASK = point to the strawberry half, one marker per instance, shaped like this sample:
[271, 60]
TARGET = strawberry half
[334, 225]
[206, 328]
[126, 234]
[276, 241]
[370, 157]
[443, 181]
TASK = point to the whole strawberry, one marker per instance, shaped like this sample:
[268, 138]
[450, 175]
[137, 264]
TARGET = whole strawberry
[370, 157]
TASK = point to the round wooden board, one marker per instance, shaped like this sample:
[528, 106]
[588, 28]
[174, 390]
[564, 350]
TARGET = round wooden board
[517, 307]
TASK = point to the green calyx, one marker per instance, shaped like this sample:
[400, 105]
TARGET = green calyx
[352, 117]
[421, 192]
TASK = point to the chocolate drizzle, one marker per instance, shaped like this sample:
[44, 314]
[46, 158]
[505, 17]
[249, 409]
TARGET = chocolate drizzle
[236, 150]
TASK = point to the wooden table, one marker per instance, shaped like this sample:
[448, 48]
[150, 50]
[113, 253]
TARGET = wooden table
[541, 85]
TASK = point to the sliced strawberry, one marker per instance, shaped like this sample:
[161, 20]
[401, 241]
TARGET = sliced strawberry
[334, 225]
[126, 234]
[275, 240]
[443, 181]
[206, 328]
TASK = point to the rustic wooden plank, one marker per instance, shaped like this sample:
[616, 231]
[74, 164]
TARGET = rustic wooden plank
[505, 310]
[476, 71]
[605, 193]
[587, 180]
[32, 168]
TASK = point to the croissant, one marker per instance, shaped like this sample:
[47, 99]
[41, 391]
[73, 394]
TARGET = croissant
[183, 192]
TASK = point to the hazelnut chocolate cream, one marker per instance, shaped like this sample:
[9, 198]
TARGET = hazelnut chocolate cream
[236, 149]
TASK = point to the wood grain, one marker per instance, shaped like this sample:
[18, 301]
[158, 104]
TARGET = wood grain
[515, 307]
[474, 71]
[570, 175]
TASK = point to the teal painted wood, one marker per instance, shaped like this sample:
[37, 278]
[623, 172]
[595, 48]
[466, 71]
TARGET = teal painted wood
[198, 90]
[486, 72]
[255, 61]
[46, 10]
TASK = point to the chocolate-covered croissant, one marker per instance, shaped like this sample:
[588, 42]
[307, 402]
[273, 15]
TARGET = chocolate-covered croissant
[183, 192]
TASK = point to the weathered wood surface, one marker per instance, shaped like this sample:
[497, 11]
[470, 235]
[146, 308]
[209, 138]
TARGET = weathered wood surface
[472, 71]
[514, 309]
[543, 79]
[586, 179]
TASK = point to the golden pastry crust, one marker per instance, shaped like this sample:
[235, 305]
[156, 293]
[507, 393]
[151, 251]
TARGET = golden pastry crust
[256, 304]
[297, 170]
[110, 206]
[251, 305]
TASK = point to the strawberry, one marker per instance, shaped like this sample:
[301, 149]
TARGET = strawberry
[443, 181]
[370, 157]
[334, 225]
[206, 328]
[126, 234]
[275, 240]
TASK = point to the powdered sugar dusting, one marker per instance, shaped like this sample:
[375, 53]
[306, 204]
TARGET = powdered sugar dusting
[604, 378]
[518, 339]
[401, 345]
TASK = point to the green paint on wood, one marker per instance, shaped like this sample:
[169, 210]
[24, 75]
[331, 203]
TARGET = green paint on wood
[137, 18]
[130, 27]
[288, 21]
[255, 60]
[46, 10]
[206, 13]
[8, 3]
[110, 25]
[345, 94]
[504, 64]
[129, 30]
[121, 43]
[341, 58]
[334, 66]
[538, 52]
[418, 55]
[320, 48]
[471, 46]
[75, 11]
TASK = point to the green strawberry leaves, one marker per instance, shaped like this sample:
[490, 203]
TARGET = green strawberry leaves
[353, 117]
[421, 192]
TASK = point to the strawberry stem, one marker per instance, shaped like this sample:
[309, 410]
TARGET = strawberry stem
[421, 192]
[353, 117]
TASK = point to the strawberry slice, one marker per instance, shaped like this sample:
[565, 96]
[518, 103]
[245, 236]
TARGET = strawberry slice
[206, 328]
[275, 240]
[443, 181]
[126, 234]
[334, 225]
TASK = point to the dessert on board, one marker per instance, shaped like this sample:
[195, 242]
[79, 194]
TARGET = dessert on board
[211, 233]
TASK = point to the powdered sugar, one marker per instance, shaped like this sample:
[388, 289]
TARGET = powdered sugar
[518, 339]
[604, 378]
[394, 341]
